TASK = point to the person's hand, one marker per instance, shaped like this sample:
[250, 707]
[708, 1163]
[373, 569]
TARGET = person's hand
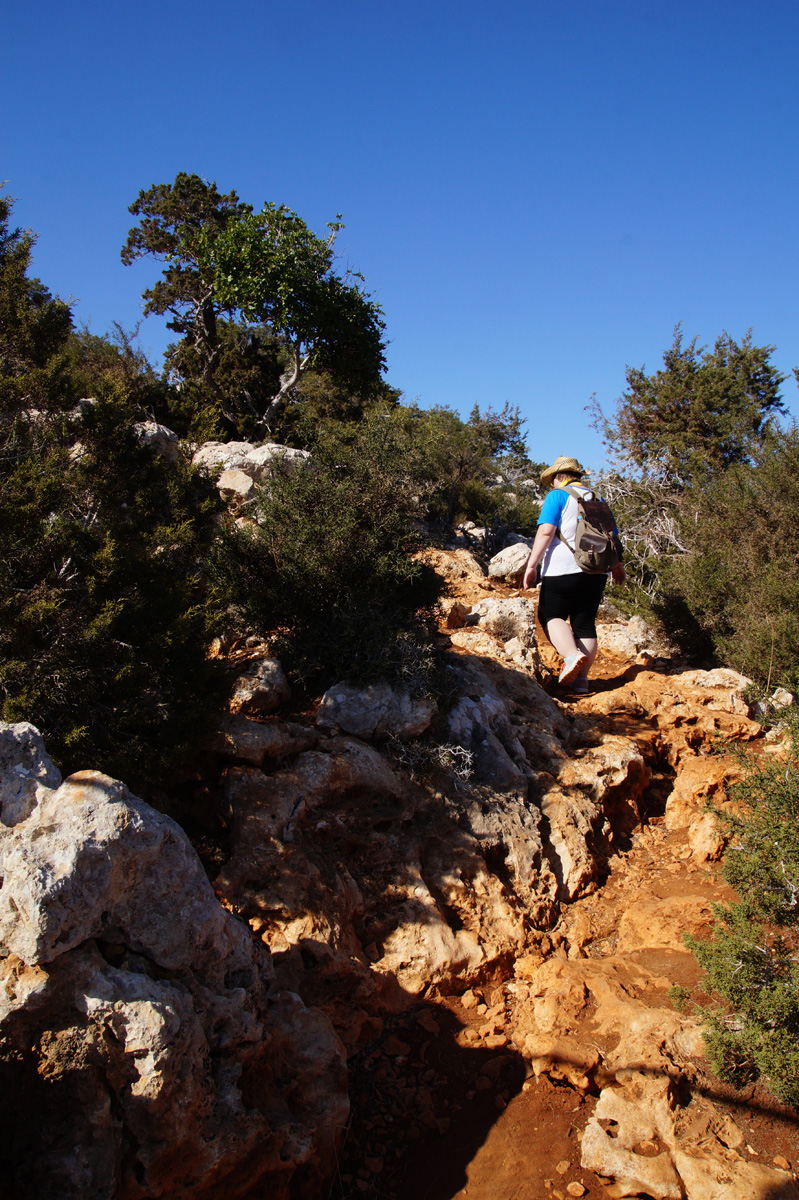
[619, 574]
[528, 575]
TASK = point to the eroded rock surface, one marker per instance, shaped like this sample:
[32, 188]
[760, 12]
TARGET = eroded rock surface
[145, 1051]
[559, 876]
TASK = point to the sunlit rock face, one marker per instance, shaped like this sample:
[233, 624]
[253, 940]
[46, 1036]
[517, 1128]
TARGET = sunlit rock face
[145, 1049]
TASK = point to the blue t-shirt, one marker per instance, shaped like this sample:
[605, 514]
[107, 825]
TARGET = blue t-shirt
[553, 506]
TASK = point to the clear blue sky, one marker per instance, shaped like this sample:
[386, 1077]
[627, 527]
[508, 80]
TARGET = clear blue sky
[535, 192]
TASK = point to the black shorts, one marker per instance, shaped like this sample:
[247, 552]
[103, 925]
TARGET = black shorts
[573, 598]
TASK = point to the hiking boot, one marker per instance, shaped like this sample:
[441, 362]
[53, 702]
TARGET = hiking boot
[572, 666]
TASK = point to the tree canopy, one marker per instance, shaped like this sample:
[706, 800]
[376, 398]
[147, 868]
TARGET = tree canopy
[33, 324]
[734, 590]
[277, 272]
[705, 411]
[254, 295]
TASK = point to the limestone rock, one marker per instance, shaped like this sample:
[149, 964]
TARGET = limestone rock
[94, 861]
[261, 688]
[474, 641]
[688, 709]
[342, 851]
[375, 711]
[576, 826]
[125, 1084]
[721, 677]
[158, 438]
[510, 563]
[596, 792]
[480, 724]
[524, 656]
[455, 612]
[706, 839]
[660, 924]
[142, 1052]
[613, 774]
[650, 1133]
[255, 742]
[458, 564]
[626, 641]
[506, 619]
[234, 485]
[26, 772]
[693, 1160]
[255, 461]
[700, 779]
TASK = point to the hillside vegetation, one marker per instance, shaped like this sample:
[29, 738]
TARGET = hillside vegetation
[121, 565]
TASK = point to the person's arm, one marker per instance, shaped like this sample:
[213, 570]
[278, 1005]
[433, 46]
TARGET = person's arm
[543, 536]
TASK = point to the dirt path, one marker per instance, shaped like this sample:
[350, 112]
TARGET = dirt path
[446, 1108]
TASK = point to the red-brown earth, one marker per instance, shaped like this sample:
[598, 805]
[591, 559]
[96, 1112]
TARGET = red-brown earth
[444, 1106]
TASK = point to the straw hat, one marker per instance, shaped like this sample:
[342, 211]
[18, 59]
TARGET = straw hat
[568, 465]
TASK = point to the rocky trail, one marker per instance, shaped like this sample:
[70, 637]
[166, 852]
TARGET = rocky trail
[381, 978]
[448, 1105]
[494, 1130]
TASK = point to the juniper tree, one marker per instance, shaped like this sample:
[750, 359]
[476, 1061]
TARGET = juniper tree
[705, 411]
[256, 297]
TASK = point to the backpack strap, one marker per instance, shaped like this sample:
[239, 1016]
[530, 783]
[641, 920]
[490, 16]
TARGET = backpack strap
[576, 496]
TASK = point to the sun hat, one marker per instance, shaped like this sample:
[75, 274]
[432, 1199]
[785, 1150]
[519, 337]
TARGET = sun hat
[563, 464]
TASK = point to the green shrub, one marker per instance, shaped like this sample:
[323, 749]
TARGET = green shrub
[327, 571]
[751, 959]
[498, 509]
[105, 616]
[737, 586]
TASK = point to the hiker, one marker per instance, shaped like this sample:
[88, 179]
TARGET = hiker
[570, 596]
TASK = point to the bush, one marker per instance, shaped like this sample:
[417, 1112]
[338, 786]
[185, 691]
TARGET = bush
[738, 583]
[327, 570]
[499, 509]
[105, 617]
[751, 958]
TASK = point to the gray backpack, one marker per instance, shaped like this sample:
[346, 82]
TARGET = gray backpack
[597, 546]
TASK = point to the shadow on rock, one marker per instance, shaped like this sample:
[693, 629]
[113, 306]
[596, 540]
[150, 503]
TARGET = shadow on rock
[422, 1105]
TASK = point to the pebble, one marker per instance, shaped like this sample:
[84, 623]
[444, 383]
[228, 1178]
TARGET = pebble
[394, 1047]
[563, 1166]
[780, 1161]
[428, 1022]
[575, 1189]
[469, 1000]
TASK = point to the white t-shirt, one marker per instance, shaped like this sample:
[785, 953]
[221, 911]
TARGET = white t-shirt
[560, 509]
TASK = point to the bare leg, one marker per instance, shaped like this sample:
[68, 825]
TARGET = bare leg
[560, 635]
